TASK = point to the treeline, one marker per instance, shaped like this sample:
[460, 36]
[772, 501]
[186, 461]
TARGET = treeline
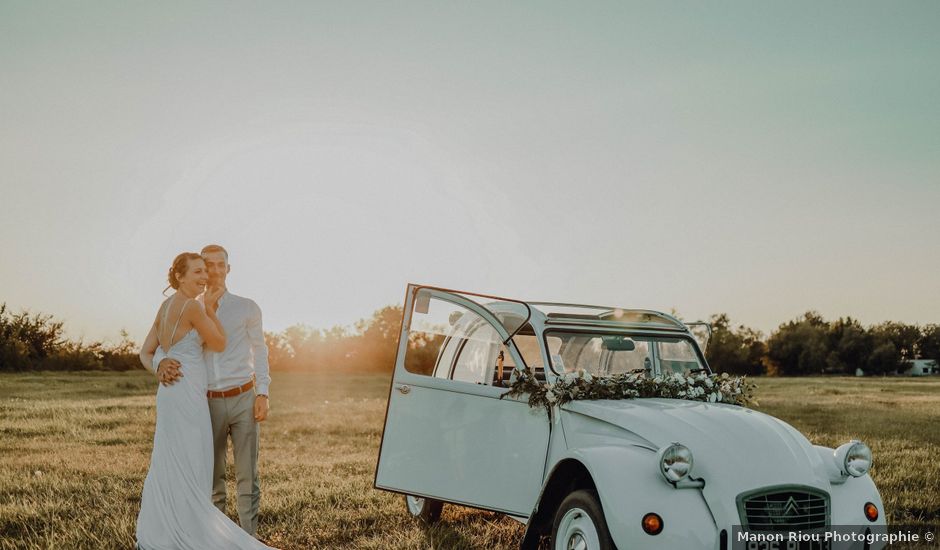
[369, 346]
[808, 345]
[38, 342]
[30, 342]
[813, 345]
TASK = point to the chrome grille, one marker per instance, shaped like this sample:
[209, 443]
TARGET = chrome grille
[785, 510]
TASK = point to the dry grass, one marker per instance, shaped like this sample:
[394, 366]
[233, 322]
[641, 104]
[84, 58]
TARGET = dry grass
[899, 418]
[74, 449]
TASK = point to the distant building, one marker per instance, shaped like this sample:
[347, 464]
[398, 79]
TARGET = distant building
[920, 367]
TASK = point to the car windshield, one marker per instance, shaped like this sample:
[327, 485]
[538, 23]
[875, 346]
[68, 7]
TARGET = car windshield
[609, 354]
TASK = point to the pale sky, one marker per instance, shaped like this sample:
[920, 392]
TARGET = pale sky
[754, 159]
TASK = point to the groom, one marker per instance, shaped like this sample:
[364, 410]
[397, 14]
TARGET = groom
[238, 390]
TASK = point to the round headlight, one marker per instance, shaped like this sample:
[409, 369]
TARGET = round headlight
[675, 462]
[853, 458]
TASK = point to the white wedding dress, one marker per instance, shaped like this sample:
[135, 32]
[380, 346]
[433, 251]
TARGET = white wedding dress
[176, 510]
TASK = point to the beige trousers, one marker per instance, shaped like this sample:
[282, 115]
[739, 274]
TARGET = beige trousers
[234, 416]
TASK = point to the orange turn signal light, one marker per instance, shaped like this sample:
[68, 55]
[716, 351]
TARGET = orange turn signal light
[871, 511]
[652, 524]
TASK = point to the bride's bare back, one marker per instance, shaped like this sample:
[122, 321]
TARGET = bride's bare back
[173, 307]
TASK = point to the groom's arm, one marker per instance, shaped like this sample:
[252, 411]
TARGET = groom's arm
[259, 352]
[166, 368]
[153, 358]
[158, 356]
[148, 348]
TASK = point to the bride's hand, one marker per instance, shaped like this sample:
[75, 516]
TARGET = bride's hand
[213, 293]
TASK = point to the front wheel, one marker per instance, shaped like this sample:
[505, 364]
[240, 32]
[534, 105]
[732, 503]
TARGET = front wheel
[579, 524]
[427, 510]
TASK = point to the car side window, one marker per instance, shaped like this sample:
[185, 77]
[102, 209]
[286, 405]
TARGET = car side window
[448, 340]
[677, 356]
[477, 356]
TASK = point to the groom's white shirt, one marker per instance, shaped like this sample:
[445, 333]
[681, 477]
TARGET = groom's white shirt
[245, 351]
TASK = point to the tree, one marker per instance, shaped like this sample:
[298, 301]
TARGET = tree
[904, 337]
[799, 347]
[850, 346]
[734, 351]
[120, 356]
[884, 358]
[929, 343]
[279, 353]
[378, 340]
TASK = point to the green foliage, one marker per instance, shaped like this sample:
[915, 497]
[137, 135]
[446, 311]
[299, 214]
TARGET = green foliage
[37, 342]
[710, 388]
[26, 340]
[850, 346]
[812, 345]
[905, 338]
[929, 343]
[799, 346]
[807, 345]
[370, 347]
[122, 356]
[735, 351]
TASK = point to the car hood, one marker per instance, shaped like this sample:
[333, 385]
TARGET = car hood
[735, 449]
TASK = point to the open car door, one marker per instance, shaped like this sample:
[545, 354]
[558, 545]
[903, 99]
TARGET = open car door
[448, 435]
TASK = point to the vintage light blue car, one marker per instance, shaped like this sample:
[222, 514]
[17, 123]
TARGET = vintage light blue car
[596, 474]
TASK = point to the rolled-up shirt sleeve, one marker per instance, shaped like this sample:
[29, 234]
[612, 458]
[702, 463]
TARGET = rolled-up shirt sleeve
[259, 350]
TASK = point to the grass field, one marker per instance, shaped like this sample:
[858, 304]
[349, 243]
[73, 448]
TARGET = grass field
[74, 450]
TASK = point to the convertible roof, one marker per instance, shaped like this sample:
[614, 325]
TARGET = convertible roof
[555, 313]
[559, 313]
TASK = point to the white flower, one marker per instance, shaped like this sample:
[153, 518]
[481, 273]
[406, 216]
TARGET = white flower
[713, 397]
[679, 378]
[709, 383]
[550, 397]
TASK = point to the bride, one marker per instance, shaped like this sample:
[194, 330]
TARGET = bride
[176, 510]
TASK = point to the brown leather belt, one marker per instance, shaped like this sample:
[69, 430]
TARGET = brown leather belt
[232, 392]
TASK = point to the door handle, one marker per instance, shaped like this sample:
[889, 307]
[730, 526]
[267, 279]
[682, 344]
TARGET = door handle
[405, 389]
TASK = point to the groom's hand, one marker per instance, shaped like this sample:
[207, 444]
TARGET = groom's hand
[261, 408]
[168, 371]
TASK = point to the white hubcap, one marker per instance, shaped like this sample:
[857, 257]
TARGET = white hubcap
[415, 505]
[576, 531]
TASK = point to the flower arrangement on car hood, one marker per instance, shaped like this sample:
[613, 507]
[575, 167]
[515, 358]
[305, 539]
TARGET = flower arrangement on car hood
[710, 388]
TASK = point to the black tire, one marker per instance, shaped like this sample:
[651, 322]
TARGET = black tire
[427, 510]
[585, 510]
